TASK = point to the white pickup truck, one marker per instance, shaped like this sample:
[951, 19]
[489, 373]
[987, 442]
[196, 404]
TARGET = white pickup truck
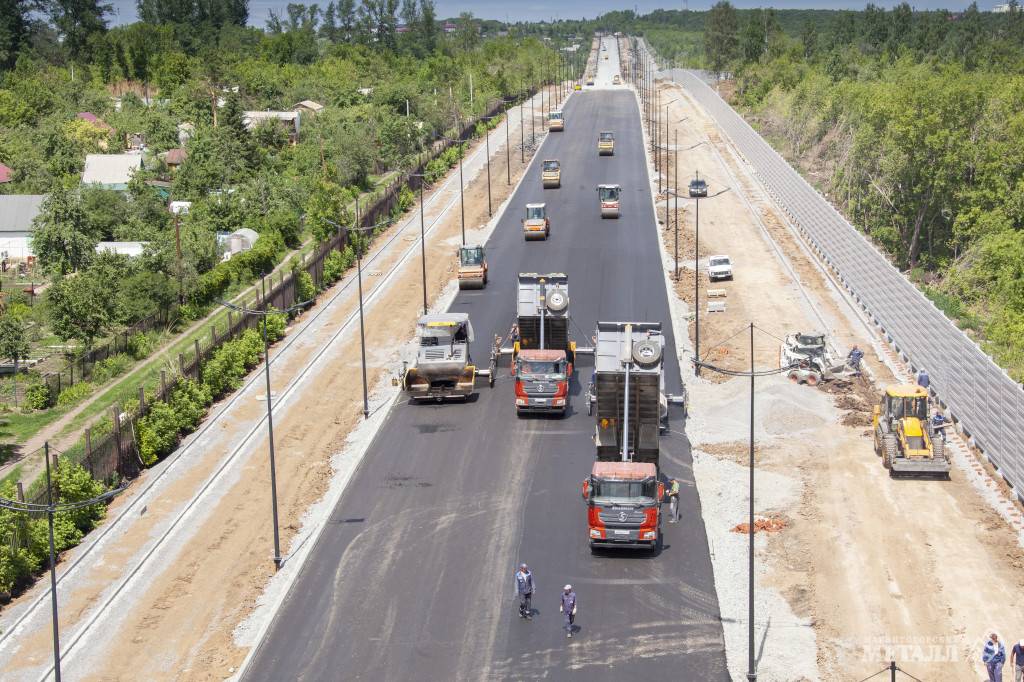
[719, 267]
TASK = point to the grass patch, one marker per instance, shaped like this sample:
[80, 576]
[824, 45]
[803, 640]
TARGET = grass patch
[954, 309]
[20, 427]
[12, 477]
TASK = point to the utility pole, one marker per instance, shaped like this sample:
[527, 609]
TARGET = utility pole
[53, 565]
[751, 670]
[177, 248]
[270, 428]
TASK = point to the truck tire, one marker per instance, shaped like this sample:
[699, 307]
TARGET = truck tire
[646, 353]
[557, 300]
[890, 450]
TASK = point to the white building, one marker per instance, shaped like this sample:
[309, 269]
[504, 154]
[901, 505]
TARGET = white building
[130, 249]
[17, 211]
[289, 119]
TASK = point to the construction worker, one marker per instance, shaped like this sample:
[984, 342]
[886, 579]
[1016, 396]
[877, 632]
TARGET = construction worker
[567, 607]
[938, 424]
[525, 587]
[923, 379]
[854, 358]
[993, 656]
[673, 501]
[1017, 661]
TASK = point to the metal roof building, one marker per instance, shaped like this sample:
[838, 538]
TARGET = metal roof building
[17, 211]
[110, 171]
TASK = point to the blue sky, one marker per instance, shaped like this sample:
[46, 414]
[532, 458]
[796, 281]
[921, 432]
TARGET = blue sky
[533, 10]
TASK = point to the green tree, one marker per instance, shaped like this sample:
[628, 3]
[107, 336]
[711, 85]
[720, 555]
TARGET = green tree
[77, 21]
[13, 343]
[14, 30]
[79, 308]
[62, 238]
[809, 39]
[325, 204]
[720, 36]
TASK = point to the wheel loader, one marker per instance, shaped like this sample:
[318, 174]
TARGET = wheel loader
[904, 436]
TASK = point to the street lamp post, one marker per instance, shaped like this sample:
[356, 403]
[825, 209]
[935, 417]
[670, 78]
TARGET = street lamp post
[508, 146]
[423, 240]
[696, 272]
[751, 660]
[270, 428]
[362, 329]
[522, 130]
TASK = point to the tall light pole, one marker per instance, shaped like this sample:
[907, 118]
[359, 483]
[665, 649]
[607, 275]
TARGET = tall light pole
[696, 268]
[264, 313]
[522, 130]
[751, 660]
[508, 146]
[423, 240]
[487, 143]
[362, 328]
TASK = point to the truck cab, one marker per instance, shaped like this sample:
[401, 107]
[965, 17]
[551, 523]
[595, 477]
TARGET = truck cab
[606, 143]
[551, 174]
[609, 196]
[556, 121]
[542, 381]
[624, 505]
[472, 267]
[536, 224]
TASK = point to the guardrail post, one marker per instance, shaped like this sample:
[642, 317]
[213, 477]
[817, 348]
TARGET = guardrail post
[142, 399]
[163, 385]
[181, 364]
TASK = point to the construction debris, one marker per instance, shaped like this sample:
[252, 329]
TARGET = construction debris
[767, 525]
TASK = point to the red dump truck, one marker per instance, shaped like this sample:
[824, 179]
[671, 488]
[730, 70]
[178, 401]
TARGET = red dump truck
[624, 491]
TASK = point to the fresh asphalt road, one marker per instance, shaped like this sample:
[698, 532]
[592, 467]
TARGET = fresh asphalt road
[412, 579]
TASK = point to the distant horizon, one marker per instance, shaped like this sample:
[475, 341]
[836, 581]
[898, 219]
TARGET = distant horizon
[126, 12]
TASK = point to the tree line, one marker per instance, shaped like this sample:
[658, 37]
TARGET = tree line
[910, 121]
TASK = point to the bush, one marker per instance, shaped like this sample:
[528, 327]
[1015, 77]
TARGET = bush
[37, 397]
[114, 366]
[276, 324]
[158, 433]
[17, 563]
[75, 393]
[190, 312]
[305, 290]
[406, 199]
[141, 344]
[336, 263]
[75, 484]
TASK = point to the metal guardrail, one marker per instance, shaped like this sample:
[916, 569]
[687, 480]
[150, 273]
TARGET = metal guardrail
[979, 394]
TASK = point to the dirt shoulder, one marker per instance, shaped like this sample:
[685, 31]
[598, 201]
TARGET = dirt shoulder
[870, 567]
